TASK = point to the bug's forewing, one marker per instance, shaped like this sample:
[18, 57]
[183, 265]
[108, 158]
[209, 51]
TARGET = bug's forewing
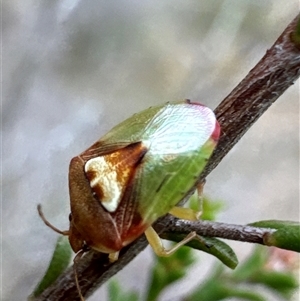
[181, 137]
[129, 131]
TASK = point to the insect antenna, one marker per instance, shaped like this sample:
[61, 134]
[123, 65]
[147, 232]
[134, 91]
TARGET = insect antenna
[41, 214]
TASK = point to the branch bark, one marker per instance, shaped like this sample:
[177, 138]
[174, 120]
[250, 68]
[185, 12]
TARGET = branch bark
[243, 233]
[273, 74]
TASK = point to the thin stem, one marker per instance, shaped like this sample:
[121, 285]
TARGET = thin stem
[214, 229]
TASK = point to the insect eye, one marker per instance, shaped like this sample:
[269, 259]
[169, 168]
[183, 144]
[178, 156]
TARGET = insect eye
[70, 217]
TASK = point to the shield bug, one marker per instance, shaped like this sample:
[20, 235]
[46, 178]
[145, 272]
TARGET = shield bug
[137, 173]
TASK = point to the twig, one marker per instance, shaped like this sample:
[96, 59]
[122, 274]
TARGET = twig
[243, 233]
[273, 74]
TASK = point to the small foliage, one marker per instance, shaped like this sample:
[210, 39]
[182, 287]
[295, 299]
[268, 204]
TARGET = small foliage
[116, 293]
[167, 270]
[286, 237]
[208, 207]
[59, 262]
[240, 284]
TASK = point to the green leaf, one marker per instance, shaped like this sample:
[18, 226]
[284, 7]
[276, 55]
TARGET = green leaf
[295, 36]
[208, 245]
[254, 270]
[60, 260]
[244, 294]
[274, 224]
[211, 290]
[211, 209]
[167, 270]
[253, 264]
[218, 286]
[116, 293]
[286, 237]
[219, 291]
[283, 283]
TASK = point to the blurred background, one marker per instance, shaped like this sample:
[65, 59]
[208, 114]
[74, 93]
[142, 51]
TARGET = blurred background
[73, 69]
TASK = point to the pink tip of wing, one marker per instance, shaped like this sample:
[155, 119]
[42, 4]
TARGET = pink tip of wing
[217, 131]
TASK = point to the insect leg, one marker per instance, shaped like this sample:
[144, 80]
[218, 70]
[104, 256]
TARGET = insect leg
[185, 213]
[158, 247]
[113, 256]
[200, 188]
[75, 261]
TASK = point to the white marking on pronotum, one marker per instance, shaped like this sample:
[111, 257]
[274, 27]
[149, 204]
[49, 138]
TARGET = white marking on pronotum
[106, 179]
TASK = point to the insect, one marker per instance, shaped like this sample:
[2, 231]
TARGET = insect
[137, 173]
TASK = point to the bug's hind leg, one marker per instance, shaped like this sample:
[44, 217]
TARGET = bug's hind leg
[180, 212]
[158, 247]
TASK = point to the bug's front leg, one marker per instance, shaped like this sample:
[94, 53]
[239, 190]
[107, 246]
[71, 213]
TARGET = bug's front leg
[113, 256]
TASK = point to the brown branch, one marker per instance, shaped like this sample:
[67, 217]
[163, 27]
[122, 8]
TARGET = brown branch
[273, 74]
[242, 233]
